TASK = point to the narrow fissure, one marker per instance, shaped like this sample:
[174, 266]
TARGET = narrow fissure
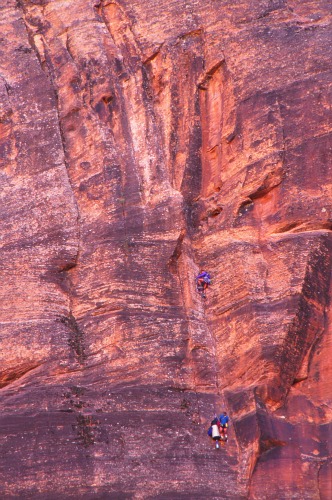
[76, 339]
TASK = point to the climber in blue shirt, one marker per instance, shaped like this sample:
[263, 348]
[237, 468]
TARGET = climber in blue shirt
[223, 419]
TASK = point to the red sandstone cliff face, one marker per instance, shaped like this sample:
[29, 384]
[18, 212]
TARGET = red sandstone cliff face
[139, 142]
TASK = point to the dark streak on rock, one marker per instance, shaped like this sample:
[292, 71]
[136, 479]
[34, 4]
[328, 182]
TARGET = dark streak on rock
[204, 83]
[153, 55]
[304, 333]
[76, 337]
[177, 251]
[84, 428]
[192, 178]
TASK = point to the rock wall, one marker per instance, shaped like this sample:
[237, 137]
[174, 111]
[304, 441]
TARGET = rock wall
[141, 141]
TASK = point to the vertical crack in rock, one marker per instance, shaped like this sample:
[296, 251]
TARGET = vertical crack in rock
[218, 125]
[202, 339]
[76, 340]
[32, 36]
[295, 355]
[201, 356]
[138, 118]
[305, 331]
[204, 371]
[192, 176]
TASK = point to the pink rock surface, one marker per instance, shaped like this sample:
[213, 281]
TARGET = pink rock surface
[140, 142]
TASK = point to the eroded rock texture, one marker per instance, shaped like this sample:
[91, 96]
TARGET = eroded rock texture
[141, 141]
